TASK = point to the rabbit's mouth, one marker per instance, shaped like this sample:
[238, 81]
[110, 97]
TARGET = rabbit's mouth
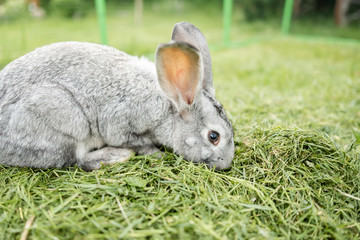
[218, 164]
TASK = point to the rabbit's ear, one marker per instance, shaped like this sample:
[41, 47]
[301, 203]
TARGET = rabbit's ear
[179, 69]
[187, 32]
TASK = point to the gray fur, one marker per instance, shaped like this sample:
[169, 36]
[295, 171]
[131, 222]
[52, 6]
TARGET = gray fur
[87, 104]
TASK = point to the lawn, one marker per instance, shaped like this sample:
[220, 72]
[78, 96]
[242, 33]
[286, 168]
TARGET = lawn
[295, 108]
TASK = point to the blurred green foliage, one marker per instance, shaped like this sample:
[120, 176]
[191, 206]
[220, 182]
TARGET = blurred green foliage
[260, 9]
[11, 9]
[310, 9]
[251, 10]
[45, 3]
[70, 8]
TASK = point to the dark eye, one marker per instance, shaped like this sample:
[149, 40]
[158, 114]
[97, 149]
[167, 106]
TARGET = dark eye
[214, 137]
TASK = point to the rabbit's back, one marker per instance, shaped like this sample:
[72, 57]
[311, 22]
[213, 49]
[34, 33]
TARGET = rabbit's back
[93, 73]
[73, 64]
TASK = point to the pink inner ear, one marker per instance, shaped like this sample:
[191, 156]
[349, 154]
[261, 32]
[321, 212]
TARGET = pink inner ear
[181, 69]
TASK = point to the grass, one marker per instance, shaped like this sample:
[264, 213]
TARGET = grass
[294, 105]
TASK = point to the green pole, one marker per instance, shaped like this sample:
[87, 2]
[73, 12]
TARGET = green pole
[227, 10]
[286, 20]
[100, 6]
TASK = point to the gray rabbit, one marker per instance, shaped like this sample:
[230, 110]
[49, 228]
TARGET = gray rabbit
[87, 104]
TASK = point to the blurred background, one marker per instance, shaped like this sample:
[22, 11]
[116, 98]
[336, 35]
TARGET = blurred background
[137, 26]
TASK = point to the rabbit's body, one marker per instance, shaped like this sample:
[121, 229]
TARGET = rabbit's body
[81, 110]
[86, 104]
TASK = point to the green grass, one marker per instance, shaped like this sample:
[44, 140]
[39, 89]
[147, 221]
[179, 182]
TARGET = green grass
[295, 107]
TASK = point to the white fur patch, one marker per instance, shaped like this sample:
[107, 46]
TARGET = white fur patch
[143, 64]
[84, 147]
[191, 141]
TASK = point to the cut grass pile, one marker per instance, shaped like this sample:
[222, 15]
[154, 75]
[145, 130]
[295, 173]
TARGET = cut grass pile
[286, 183]
[295, 108]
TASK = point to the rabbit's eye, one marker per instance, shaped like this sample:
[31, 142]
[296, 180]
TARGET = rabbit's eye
[214, 137]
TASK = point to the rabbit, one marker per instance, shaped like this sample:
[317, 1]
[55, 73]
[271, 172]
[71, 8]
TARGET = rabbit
[86, 104]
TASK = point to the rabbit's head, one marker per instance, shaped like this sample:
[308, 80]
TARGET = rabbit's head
[202, 133]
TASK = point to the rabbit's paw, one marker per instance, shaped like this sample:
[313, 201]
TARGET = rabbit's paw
[150, 150]
[104, 156]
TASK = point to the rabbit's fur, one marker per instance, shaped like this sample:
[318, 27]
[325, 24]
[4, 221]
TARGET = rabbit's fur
[87, 104]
